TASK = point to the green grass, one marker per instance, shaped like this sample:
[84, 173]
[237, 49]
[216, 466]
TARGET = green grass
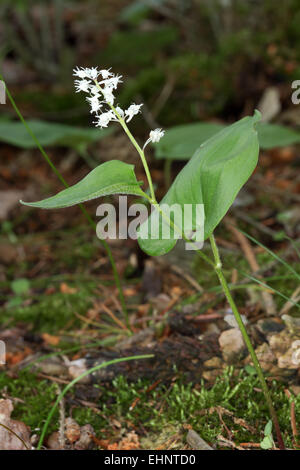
[160, 409]
[278, 277]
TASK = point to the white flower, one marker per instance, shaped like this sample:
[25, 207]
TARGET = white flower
[132, 111]
[92, 73]
[95, 104]
[155, 136]
[80, 72]
[82, 85]
[108, 95]
[104, 119]
[101, 95]
[106, 73]
[94, 90]
[120, 111]
[112, 82]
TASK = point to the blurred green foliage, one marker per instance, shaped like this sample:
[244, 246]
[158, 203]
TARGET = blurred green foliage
[212, 56]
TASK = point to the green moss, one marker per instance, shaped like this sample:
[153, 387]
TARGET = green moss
[50, 313]
[162, 408]
[35, 398]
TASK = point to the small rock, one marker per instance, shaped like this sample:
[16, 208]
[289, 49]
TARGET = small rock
[232, 345]
[231, 321]
[293, 324]
[290, 360]
[266, 357]
[214, 363]
[8, 440]
[78, 367]
[269, 327]
[52, 367]
[86, 437]
[53, 441]
[280, 343]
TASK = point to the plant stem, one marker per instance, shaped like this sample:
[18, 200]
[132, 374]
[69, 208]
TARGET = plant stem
[223, 282]
[143, 158]
[134, 143]
[82, 208]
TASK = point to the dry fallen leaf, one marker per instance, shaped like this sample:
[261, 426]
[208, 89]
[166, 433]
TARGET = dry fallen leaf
[50, 339]
[15, 435]
[65, 289]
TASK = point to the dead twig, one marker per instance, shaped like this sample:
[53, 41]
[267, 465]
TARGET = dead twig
[61, 429]
[295, 297]
[293, 423]
[113, 316]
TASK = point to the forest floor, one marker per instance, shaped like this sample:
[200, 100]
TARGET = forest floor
[60, 316]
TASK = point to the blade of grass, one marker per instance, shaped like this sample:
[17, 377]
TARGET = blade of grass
[280, 260]
[82, 208]
[73, 382]
[294, 245]
[269, 287]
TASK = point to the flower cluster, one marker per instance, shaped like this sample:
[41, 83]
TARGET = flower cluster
[100, 85]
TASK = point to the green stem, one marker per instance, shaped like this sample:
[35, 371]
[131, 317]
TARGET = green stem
[135, 144]
[84, 211]
[223, 282]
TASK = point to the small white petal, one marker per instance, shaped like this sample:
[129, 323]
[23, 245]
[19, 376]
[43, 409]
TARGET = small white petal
[82, 85]
[106, 73]
[108, 95]
[156, 135]
[104, 119]
[112, 82]
[80, 72]
[132, 111]
[95, 104]
[92, 73]
[94, 90]
[120, 111]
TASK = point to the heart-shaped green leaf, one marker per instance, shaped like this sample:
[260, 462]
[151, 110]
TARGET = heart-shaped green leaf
[49, 134]
[212, 177]
[113, 177]
[180, 142]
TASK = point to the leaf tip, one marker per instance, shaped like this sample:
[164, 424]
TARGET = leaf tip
[257, 116]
